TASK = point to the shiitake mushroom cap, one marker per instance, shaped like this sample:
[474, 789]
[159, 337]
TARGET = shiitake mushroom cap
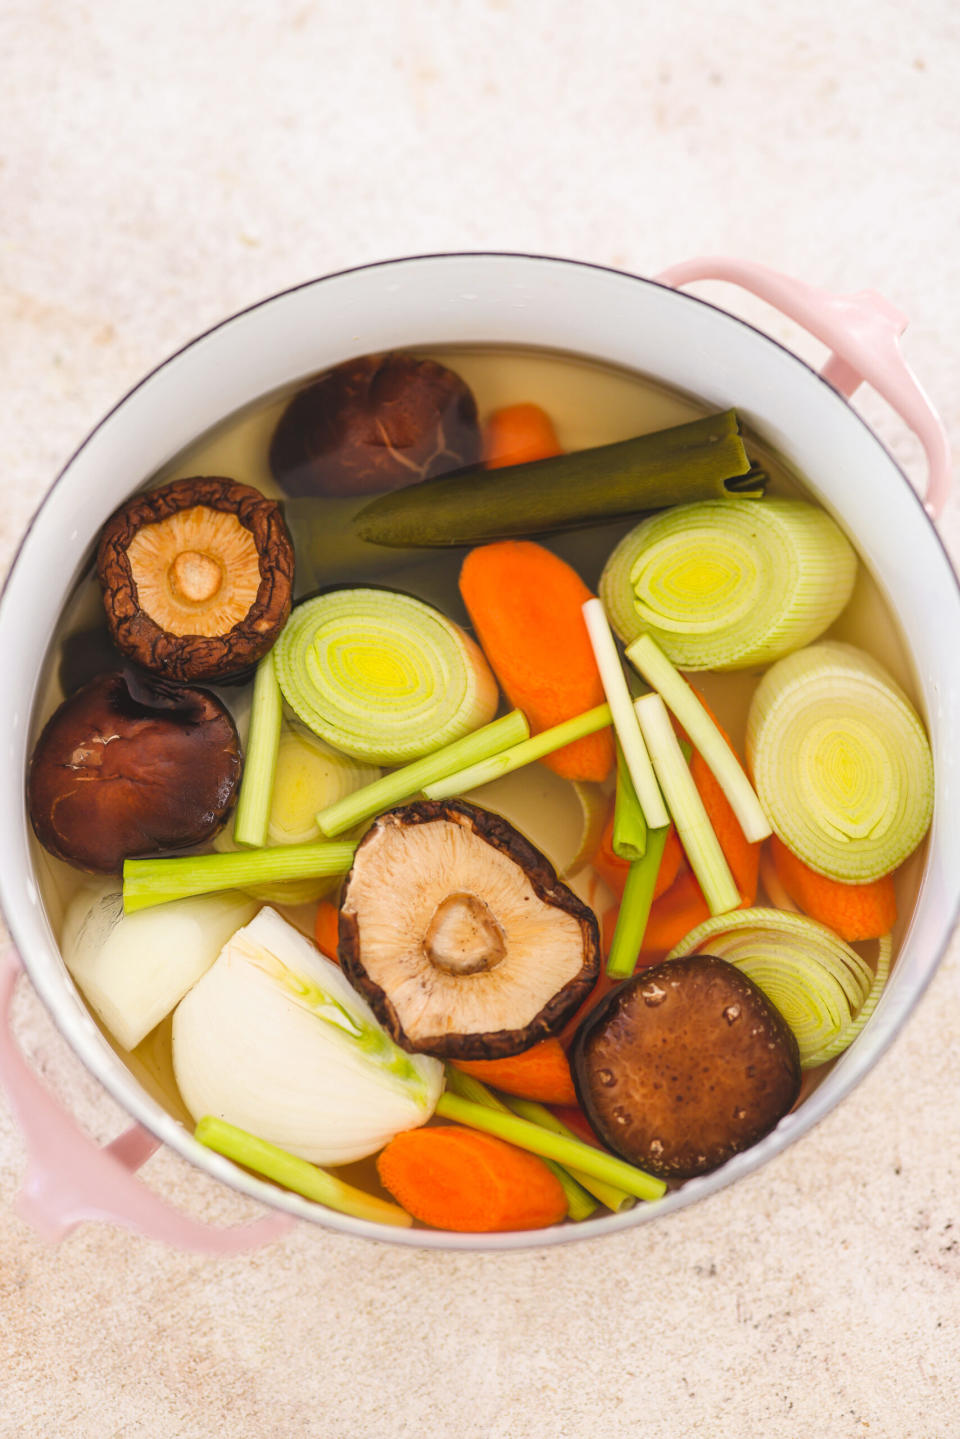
[132, 766]
[459, 934]
[375, 423]
[203, 620]
[684, 1065]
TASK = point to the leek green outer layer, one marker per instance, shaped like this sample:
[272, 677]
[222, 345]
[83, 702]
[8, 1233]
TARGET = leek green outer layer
[841, 762]
[669, 467]
[722, 585]
[825, 991]
[382, 676]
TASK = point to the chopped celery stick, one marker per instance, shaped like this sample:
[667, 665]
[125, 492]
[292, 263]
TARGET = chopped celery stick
[260, 761]
[646, 657]
[297, 1174]
[155, 881]
[629, 825]
[635, 905]
[608, 1194]
[524, 1135]
[624, 719]
[403, 784]
[700, 844]
[580, 1205]
[521, 754]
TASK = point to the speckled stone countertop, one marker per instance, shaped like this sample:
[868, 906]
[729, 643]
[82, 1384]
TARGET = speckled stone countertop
[163, 166]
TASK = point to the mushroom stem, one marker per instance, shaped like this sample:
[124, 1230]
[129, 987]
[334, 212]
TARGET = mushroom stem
[195, 576]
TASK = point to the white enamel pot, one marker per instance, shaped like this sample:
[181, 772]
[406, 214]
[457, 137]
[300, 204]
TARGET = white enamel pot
[497, 299]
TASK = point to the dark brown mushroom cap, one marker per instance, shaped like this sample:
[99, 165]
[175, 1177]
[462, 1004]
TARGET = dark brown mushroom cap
[685, 1065]
[131, 766]
[376, 423]
[182, 655]
[460, 936]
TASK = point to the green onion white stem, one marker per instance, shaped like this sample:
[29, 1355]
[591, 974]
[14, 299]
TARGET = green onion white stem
[694, 829]
[156, 881]
[260, 759]
[821, 986]
[297, 1174]
[568, 1152]
[521, 754]
[624, 719]
[841, 762]
[580, 1204]
[403, 784]
[649, 660]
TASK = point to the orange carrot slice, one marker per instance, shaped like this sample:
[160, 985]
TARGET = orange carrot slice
[526, 607]
[461, 1179]
[854, 911]
[540, 1072]
[518, 434]
[326, 929]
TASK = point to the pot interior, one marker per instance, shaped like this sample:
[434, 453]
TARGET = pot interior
[592, 402]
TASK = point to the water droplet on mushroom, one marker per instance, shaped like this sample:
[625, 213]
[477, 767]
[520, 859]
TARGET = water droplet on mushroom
[653, 995]
[606, 1076]
[622, 1116]
[739, 1114]
[732, 1013]
[656, 1148]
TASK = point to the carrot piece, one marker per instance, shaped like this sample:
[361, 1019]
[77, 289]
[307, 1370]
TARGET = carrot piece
[540, 1072]
[613, 870]
[518, 434]
[454, 1178]
[326, 929]
[526, 607]
[854, 911]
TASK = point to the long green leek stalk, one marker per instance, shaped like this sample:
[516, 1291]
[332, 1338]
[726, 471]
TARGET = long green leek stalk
[155, 881]
[686, 462]
[252, 816]
[705, 736]
[571, 1153]
[722, 585]
[297, 1174]
[841, 762]
[381, 675]
[614, 1198]
[821, 986]
[529, 750]
[403, 784]
[635, 904]
[694, 829]
[580, 1204]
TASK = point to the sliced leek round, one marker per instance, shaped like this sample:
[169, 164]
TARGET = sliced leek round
[721, 585]
[840, 761]
[382, 676]
[823, 988]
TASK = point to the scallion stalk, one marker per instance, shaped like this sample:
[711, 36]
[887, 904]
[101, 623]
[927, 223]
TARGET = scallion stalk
[260, 760]
[148, 882]
[297, 1174]
[403, 784]
[610, 1195]
[635, 905]
[569, 1152]
[649, 660]
[629, 826]
[580, 1204]
[624, 719]
[694, 829]
[521, 754]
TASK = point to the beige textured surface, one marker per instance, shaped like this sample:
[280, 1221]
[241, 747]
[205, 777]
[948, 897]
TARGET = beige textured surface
[161, 166]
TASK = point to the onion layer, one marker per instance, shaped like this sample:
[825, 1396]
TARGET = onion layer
[840, 761]
[825, 991]
[382, 676]
[722, 585]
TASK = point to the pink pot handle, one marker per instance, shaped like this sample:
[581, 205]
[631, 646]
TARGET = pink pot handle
[862, 330]
[70, 1179]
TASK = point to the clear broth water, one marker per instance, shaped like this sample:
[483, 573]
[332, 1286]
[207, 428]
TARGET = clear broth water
[591, 404]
